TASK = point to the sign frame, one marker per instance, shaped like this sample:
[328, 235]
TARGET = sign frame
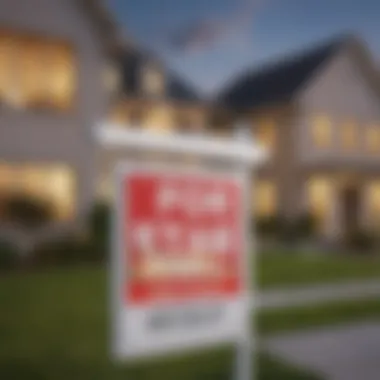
[119, 335]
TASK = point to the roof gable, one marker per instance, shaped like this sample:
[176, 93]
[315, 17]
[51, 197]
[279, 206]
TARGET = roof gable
[110, 33]
[133, 60]
[278, 82]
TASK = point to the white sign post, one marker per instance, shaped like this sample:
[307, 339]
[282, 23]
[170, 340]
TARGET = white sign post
[181, 245]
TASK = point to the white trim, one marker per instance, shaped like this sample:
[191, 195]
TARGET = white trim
[245, 152]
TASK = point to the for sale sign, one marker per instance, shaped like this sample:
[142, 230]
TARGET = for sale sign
[179, 261]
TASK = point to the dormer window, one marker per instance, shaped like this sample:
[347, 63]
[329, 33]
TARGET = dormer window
[153, 81]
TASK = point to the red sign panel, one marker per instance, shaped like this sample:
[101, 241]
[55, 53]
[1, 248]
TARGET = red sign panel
[183, 237]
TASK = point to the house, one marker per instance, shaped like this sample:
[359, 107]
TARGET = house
[151, 97]
[318, 114]
[53, 58]
[65, 67]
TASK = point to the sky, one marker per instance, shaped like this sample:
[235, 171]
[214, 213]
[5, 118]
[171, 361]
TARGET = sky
[208, 42]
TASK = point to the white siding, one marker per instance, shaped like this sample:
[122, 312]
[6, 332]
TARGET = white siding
[340, 90]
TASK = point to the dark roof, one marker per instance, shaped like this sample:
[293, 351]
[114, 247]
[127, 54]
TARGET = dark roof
[278, 82]
[106, 25]
[132, 61]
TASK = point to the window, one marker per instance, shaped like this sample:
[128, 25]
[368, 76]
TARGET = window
[53, 183]
[118, 114]
[349, 135]
[264, 198]
[159, 119]
[373, 199]
[373, 138]
[319, 197]
[36, 72]
[321, 131]
[136, 117]
[266, 133]
[153, 80]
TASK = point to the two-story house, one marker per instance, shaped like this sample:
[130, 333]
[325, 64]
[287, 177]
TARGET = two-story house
[318, 114]
[65, 68]
[54, 56]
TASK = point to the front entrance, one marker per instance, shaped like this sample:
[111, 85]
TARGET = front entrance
[350, 201]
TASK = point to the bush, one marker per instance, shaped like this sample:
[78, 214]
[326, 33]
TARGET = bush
[73, 249]
[99, 229]
[305, 226]
[63, 250]
[298, 230]
[9, 255]
[269, 226]
[361, 241]
[27, 212]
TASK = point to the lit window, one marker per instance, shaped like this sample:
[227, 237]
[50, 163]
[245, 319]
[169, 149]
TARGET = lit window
[60, 82]
[373, 138]
[264, 198]
[319, 196]
[373, 199]
[159, 119]
[349, 135]
[35, 72]
[118, 114]
[153, 80]
[321, 131]
[61, 190]
[52, 183]
[266, 133]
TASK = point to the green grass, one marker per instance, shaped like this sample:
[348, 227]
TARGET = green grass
[53, 325]
[289, 269]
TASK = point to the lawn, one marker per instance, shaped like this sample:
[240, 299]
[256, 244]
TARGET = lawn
[289, 269]
[53, 325]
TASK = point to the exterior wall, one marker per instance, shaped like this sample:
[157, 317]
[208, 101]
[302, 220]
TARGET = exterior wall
[340, 90]
[65, 137]
[281, 166]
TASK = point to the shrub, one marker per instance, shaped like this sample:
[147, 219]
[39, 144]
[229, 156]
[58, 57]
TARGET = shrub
[297, 230]
[99, 230]
[27, 212]
[305, 226]
[361, 241]
[269, 226]
[74, 249]
[64, 250]
[9, 255]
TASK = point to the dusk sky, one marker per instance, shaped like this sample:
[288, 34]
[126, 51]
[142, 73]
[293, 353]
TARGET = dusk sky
[209, 41]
